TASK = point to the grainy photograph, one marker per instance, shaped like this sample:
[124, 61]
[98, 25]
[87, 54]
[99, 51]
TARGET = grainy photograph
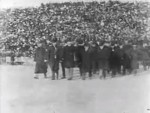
[74, 56]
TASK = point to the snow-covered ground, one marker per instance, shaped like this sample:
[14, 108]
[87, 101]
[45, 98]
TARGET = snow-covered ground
[20, 93]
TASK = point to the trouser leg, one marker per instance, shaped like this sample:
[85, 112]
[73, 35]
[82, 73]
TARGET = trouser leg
[57, 75]
[53, 75]
[119, 69]
[70, 72]
[83, 76]
[104, 73]
[124, 70]
[90, 73]
[45, 75]
[36, 76]
[144, 65]
[100, 73]
[63, 70]
[114, 71]
[80, 70]
[135, 71]
[130, 70]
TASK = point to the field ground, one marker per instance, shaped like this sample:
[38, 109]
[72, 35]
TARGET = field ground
[20, 93]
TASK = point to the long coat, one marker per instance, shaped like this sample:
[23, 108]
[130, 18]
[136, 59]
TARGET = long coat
[69, 56]
[100, 65]
[86, 61]
[127, 56]
[119, 51]
[39, 57]
[119, 54]
[145, 58]
[94, 58]
[105, 56]
[78, 55]
[114, 59]
[54, 55]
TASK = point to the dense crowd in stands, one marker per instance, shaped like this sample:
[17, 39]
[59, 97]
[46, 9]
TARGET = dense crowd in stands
[113, 20]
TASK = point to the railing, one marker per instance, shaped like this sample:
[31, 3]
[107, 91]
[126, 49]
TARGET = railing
[18, 60]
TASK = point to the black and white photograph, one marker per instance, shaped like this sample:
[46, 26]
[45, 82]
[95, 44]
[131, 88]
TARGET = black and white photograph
[74, 56]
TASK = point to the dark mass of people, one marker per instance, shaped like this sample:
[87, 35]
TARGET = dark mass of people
[97, 37]
[91, 58]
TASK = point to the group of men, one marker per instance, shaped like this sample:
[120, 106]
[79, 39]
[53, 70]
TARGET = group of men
[90, 57]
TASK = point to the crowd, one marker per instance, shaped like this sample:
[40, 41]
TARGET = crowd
[90, 35]
[101, 59]
[111, 20]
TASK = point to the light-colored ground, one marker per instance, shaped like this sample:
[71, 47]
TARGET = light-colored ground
[20, 93]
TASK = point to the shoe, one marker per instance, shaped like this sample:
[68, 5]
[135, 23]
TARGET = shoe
[36, 78]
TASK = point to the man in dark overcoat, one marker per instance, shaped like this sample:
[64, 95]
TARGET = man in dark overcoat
[127, 57]
[119, 54]
[119, 50]
[54, 58]
[85, 65]
[114, 60]
[105, 56]
[68, 58]
[134, 59]
[145, 58]
[40, 59]
[78, 54]
[100, 59]
[94, 57]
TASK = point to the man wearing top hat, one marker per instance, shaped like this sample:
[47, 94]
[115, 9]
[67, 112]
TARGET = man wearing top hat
[68, 58]
[85, 65]
[105, 56]
[53, 56]
[78, 53]
[40, 59]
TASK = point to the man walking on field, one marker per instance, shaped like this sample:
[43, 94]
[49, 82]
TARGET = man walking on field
[40, 59]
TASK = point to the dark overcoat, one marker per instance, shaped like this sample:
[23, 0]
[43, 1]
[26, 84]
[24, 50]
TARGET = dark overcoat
[54, 55]
[86, 61]
[39, 57]
[105, 56]
[114, 59]
[144, 54]
[119, 52]
[78, 54]
[94, 58]
[12, 57]
[145, 58]
[100, 65]
[69, 56]
[127, 56]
